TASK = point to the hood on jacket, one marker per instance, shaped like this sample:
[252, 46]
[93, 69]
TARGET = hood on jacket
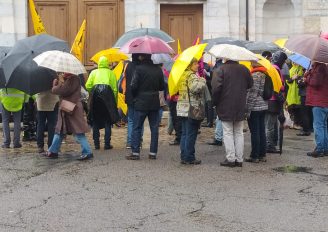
[103, 62]
[279, 58]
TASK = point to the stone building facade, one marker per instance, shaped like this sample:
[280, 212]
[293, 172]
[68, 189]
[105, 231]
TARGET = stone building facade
[266, 19]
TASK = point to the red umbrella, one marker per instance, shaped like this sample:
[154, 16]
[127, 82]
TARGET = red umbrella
[311, 46]
[147, 44]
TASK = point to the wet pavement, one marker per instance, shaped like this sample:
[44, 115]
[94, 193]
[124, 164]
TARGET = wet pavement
[287, 193]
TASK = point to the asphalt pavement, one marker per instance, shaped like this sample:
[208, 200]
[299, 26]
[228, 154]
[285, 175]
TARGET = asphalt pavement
[109, 193]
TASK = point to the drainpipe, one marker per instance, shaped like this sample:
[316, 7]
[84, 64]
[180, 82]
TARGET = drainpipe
[247, 21]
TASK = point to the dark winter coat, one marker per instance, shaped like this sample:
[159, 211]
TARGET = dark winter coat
[103, 108]
[74, 123]
[146, 83]
[229, 89]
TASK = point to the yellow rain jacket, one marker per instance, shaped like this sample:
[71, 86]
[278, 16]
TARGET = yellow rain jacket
[12, 99]
[293, 97]
[102, 76]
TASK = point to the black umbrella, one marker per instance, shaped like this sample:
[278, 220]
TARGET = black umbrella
[19, 69]
[224, 40]
[261, 46]
[281, 119]
[154, 32]
[3, 52]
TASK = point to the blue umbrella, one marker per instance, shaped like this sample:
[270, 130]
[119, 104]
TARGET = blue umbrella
[300, 60]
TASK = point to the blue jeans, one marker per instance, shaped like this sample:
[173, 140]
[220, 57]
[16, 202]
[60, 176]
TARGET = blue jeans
[320, 115]
[130, 125]
[80, 138]
[256, 124]
[188, 138]
[49, 118]
[218, 130]
[138, 124]
[96, 134]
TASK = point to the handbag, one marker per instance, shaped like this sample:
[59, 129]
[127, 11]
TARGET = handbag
[196, 113]
[67, 106]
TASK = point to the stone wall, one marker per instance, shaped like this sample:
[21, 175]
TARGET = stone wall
[221, 17]
[13, 21]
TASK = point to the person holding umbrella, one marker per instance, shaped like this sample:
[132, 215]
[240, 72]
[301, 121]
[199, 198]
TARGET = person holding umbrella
[12, 101]
[191, 95]
[145, 86]
[68, 87]
[316, 96]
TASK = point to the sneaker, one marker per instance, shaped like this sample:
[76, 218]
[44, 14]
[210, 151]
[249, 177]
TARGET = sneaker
[5, 146]
[132, 157]
[252, 160]
[51, 155]
[108, 147]
[194, 162]
[97, 146]
[227, 163]
[215, 143]
[85, 157]
[316, 154]
[152, 156]
[128, 146]
[304, 134]
[18, 145]
[272, 150]
[238, 164]
[263, 159]
[40, 150]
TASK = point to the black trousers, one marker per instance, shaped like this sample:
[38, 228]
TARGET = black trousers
[176, 120]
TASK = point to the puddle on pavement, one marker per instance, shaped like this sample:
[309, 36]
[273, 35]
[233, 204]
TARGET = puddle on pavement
[292, 169]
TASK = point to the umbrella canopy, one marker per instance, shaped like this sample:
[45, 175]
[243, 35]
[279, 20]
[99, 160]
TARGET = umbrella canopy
[181, 63]
[112, 54]
[231, 52]
[19, 69]
[223, 40]
[311, 46]
[300, 60]
[147, 44]
[261, 46]
[280, 42]
[271, 71]
[154, 32]
[60, 62]
[161, 58]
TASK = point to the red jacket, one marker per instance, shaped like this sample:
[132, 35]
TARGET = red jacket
[317, 85]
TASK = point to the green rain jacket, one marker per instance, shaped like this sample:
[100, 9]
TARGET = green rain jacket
[102, 76]
[12, 99]
[293, 97]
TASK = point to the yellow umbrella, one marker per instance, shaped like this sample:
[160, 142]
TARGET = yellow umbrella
[120, 97]
[181, 63]
[112, 54]
[272, 72]
[281, 42]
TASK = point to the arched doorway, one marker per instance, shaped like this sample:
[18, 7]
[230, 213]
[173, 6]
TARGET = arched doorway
[278, 19]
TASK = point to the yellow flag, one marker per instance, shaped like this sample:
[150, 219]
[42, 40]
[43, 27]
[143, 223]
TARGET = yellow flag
[118, 70]
[179, 47]
[78, 44]
[37, 23]
[120, 101]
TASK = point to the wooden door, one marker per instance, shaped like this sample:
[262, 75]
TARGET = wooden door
[183, 22]
[105, 22]
[55, 16]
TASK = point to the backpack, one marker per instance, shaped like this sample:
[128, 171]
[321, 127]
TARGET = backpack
[268, 88]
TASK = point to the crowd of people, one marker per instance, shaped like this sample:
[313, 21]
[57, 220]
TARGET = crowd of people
[225, 95]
